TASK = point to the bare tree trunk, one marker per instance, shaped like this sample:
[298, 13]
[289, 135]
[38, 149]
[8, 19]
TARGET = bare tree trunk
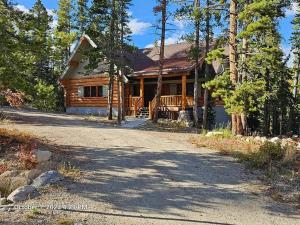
[111, 66]
[296, 78]
[266, 128]
[161, 58]
[111, 91]
[121, 107]
[196, 82]
[119, 100]
[236, 121]
[206, 92]
[244, 78]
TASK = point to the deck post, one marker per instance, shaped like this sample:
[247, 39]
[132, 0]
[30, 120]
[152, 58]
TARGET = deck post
[142, 93]
[183, 101]
[150, 111]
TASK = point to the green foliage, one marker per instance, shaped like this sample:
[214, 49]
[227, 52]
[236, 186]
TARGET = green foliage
[245, 98]
[45, 96]
[216, 55]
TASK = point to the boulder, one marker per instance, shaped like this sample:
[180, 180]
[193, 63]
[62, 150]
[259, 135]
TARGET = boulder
[184, 116]
[31, 174]
[275, 140]
[18, 181]
[213, 133]
[11, 180]
[2, 201]
[263, 139]
[47, 178]
[23, 193]
[5, 180]
[42, 156]
[287, 142]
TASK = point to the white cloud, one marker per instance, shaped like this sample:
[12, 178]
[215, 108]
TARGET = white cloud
[22, 8]
[173, 39]
[54, 23]
[138, 27]
[292, 10]
[181, 23]
[51, 12]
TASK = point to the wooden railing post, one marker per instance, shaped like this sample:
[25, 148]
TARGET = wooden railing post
[135, 109]
[184, 92]
[142, 87]
[150, 111]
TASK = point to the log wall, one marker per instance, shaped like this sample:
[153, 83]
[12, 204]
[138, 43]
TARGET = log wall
[71, 92]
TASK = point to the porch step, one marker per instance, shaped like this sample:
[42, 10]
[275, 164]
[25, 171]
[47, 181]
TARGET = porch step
[143, 113]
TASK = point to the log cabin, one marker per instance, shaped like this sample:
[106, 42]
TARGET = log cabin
[88, 93]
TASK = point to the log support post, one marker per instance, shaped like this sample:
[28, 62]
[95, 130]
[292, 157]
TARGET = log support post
[150, 111]
[183, 101]
[142, 92]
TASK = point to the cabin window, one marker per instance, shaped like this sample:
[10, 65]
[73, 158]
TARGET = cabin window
[80, 91]
[87, 91]
[93, 91]
[100, 91]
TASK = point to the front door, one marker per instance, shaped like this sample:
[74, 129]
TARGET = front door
[149, 94]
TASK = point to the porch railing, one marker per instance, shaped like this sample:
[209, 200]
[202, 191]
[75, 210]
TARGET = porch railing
[136, 102]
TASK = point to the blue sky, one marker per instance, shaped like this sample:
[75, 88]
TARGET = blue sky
[143, 19]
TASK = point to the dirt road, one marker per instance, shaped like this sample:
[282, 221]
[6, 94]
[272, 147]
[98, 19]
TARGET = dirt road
[144, 177]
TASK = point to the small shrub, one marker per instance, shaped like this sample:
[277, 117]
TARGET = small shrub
[3, 168]
[68, 170]
[267, 153]
[27, 155]
[65, 221]
[45, 96]
[15, 99]
[226, 133]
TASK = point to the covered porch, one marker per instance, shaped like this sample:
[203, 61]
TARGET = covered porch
[177, 95]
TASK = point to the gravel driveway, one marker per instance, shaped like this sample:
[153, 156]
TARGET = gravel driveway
[145, 177]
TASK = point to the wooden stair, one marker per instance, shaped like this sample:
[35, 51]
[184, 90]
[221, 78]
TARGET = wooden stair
[143, 113]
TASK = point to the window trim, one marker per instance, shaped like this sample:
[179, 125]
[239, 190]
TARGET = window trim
[82, 88]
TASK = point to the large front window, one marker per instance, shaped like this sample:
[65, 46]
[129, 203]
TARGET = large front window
[92, 91]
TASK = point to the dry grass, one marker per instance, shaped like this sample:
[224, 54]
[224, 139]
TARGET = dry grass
[13, 135]
[65, 221]
[68, 170]
[226, 145]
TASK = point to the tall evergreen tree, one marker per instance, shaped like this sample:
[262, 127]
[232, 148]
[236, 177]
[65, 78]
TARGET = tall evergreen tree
[41, 40]
[82, 15]
[295, 42]
[64, 32]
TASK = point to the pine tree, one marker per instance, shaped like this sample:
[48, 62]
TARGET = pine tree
[64, 33]
[82, 15]
[160, 8]
[123, 37]
[16, 60]
[196, 54]
[295, 42]
[41, 40]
